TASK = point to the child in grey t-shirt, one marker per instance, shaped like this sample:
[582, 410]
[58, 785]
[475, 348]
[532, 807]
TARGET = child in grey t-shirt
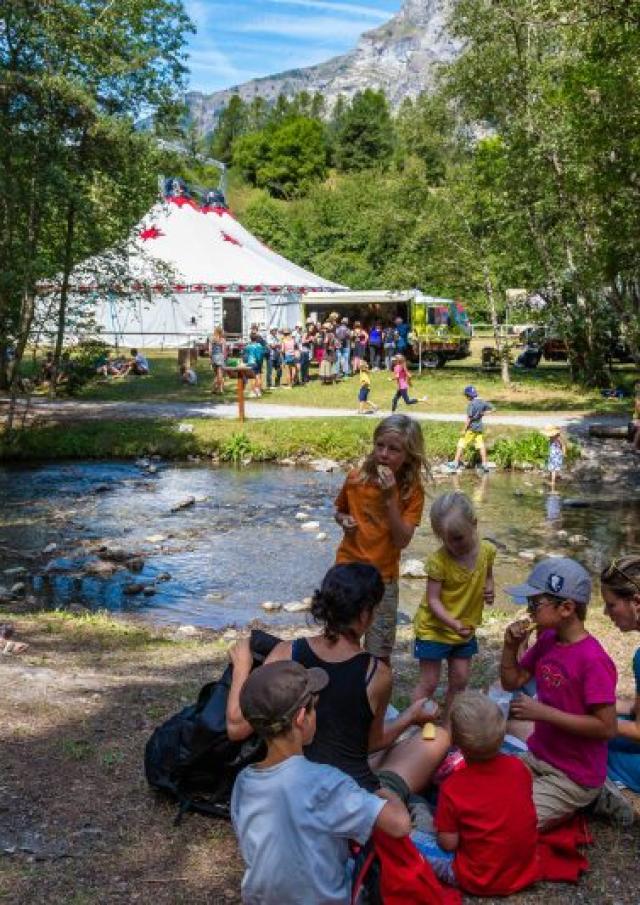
[294, 818]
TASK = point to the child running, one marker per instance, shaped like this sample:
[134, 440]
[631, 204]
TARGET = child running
[472, 435]
[557, 452]
[379, 508]
[294, 818]
[364, 406]
[575, 713]
[402, 378]
[485, 820]
[459, 583]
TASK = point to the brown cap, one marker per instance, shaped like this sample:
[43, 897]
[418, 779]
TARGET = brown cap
[273, 694]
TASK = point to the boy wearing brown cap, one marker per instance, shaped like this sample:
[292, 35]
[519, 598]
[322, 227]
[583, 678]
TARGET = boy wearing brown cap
[294, 818]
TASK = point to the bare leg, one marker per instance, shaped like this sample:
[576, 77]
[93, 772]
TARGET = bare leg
[428, 681]
[522, 729]
[416, 760]
[483, 453]
[457, 680]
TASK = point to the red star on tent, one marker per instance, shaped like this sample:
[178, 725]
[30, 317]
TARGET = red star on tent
[152, 232]
[228, 238]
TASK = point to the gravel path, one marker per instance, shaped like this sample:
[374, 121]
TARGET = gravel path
[73, 410]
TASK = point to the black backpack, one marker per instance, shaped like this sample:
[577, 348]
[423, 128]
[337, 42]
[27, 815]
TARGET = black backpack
[191, 757]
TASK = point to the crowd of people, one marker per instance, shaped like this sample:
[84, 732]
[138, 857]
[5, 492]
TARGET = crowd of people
[341, 764]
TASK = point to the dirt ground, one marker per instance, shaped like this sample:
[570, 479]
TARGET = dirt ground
[78, 824]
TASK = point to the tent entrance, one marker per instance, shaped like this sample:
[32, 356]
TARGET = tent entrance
[232, 314]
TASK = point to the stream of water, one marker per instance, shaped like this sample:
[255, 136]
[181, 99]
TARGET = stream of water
[239, 544]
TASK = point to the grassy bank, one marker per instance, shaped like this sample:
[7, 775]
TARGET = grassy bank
[547, 389]
[261, 441]
[78, 708]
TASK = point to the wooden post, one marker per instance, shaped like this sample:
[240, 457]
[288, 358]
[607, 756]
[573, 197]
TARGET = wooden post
[240, 397]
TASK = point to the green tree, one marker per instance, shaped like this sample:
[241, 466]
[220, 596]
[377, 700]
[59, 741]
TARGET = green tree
[75, 77]
[285, 159]
[364, 133]
[232, 123]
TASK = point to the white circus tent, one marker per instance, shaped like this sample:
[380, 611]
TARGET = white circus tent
[186, 270]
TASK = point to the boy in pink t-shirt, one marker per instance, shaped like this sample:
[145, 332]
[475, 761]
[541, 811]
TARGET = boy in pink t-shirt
[575, 713]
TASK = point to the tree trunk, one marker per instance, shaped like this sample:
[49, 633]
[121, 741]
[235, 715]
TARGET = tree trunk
[64, 289]
[503, 351]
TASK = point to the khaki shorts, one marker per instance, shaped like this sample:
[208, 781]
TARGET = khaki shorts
[381, 634]
[555, 796]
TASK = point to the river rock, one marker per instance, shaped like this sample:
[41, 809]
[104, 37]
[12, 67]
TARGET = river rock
[324, 465]
[296, 606]
[164, 576]
[155, 538]
[149, 591]
[115, 554]
[301, 516]
[134, 587]
[183, 504]
[321, 535]
[271, 606]
[412, 568]
[309, 526]
[562, 534]
[307, 601]
[152, 469]
[50, 548]
[135, 564]
[287, 463]
[101, 569]
[578, 539]
[187, 631]
[142, 463]
[527, 555]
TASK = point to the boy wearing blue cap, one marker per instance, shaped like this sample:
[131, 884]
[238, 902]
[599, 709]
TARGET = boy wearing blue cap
[472, 435]
[574, 714]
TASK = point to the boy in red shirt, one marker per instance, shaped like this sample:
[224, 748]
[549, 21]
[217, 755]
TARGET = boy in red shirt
[485, 813]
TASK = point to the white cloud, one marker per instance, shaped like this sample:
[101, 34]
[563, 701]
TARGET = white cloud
[312, 28]
[355, 9]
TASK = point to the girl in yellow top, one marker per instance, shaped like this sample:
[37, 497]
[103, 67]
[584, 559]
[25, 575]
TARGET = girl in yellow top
[364, 406]
[459, 583]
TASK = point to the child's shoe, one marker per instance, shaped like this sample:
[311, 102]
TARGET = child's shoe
[613, 805]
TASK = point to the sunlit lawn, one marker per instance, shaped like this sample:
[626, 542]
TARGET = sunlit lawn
[548, 388]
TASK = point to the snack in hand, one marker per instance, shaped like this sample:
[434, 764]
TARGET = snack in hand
[384, 472]
[430, 708]
[429, 732]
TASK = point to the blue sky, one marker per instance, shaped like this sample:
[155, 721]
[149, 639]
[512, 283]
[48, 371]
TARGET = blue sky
[239, 40]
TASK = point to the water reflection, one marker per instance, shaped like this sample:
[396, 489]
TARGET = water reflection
[240, 543]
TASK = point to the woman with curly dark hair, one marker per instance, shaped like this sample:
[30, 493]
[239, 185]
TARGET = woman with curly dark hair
[352, 732]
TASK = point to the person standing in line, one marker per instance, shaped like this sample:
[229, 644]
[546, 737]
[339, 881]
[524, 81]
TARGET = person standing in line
[389, 347]
[375, 346]
[274, 358]
[343, 348]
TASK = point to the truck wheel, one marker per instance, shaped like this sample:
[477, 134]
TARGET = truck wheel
[433, 360]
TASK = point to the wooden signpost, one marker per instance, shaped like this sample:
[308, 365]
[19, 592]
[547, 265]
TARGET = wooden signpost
[240, 373]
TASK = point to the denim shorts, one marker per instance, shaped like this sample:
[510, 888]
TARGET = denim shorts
[363, 394]
[441, 650]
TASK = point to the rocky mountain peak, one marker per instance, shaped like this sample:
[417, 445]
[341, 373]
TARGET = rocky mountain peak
[400, 57]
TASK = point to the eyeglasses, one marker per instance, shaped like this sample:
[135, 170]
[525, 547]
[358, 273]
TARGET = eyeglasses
[536, 603]
[614, 567]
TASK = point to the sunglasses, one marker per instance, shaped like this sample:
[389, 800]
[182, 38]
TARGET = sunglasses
[615, 568]
[536, 603]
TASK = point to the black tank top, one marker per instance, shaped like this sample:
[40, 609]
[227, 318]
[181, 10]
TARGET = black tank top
[343, 714]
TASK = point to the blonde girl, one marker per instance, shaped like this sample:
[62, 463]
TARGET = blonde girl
[364, 406]
[459, 583]
[379, 508]
[620, 587]
[557, 452]
[218, 358]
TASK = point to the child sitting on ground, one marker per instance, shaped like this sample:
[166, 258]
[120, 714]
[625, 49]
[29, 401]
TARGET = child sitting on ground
[575, 712]
[459, 583]
[485, 813]
[293, 818]
[364, 406]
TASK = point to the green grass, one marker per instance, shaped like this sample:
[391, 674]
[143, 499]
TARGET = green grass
[546, 389]
[259, 441]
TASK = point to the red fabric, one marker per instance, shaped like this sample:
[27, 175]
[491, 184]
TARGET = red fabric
[228, 238]
[558, 855]
[405, 876]
[181, 200]
[490, 805]
[151, 233]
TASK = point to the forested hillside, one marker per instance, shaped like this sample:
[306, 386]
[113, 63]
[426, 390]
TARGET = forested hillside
[521, 170]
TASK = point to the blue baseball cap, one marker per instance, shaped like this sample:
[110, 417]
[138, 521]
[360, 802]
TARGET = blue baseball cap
[560, 576]
[470, 391]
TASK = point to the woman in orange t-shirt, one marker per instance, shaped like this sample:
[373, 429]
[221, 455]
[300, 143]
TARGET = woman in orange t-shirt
[379, 508]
